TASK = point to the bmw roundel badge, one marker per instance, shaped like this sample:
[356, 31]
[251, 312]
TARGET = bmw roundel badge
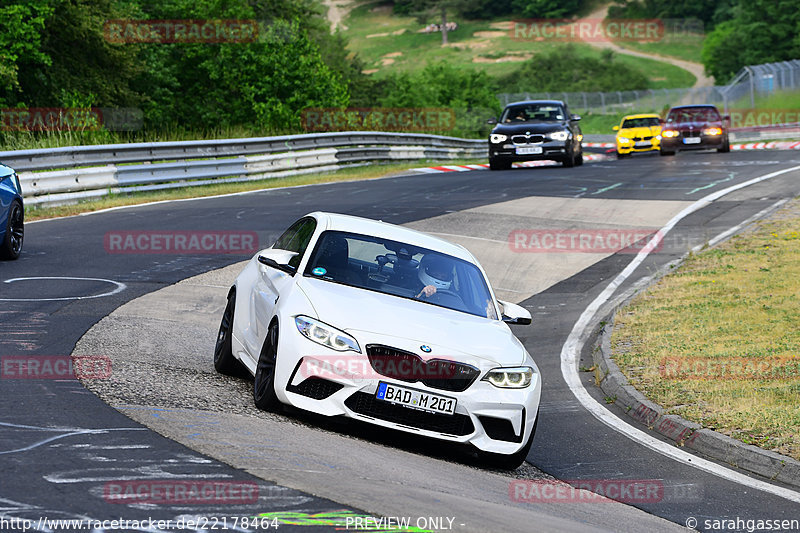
[425, 348]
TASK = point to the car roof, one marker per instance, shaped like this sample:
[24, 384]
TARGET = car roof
[695, 106]
[377, 228]
[641, 115]
[523, 102]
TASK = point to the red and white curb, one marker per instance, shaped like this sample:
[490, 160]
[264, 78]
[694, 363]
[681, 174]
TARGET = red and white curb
[774, 145]
[524, 164]
[599, 145]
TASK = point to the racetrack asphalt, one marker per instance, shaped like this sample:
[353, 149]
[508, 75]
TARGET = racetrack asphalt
[95, 444]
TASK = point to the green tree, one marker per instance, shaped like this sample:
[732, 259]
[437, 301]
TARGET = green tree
[569, 71]
[548, 8]
[469, 94]
[709, 11]
[79, 60]
[762, 31]
[270, 82]
[21, 27]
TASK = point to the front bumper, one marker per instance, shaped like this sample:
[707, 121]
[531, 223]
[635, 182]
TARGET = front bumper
[637, 146]
[674, 144]
[490, 418]
[508, 151]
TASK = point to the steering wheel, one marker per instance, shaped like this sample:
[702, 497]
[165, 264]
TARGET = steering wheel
[446, 291]
[440, 292]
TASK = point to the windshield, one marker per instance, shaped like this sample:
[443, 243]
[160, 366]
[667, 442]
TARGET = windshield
[696, 114]
[533, 113]
[402, 270]
[645, 122]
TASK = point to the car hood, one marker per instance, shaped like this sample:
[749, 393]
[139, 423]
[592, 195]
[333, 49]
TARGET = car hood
[532, 127]
[5, 171]
[409, 324]
[684, 126]
[642, 131]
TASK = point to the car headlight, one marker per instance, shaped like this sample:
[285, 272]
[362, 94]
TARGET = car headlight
[496, 138]
[623, 139]
[658, 137]
[559, 135]
[712, 131]
[669, 133]
[326, 335]
[510, 378]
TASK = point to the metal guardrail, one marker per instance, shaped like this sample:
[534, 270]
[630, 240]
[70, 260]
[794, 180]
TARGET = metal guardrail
[63, 175]
[74, 156]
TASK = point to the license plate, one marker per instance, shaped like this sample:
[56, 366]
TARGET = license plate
[641, 144]
[529, 150]
[691, 140]
[416, 399]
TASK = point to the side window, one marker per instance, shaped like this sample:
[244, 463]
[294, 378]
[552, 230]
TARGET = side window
[296, 239]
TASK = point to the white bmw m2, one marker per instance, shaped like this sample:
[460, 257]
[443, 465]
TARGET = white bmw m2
[379, 323]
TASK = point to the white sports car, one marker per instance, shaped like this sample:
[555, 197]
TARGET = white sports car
[383, 324]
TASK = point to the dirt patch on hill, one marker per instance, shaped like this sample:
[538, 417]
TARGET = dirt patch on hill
[503, 59]
[489, 34]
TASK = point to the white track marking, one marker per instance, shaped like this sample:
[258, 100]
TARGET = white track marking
[120, 287]
[570, 355]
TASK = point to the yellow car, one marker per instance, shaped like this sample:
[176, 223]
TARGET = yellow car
[638, 133]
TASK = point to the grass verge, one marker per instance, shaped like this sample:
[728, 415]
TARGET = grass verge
[116, 200]
[717, 342]
[685, 46]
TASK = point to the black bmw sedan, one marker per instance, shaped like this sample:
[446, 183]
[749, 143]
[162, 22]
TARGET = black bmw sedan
[535, 130]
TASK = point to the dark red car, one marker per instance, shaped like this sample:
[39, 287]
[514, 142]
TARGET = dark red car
[694, 127]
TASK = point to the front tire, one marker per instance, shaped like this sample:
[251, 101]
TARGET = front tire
[264, 383]
[499, 164]
[620, 155]
[569, 159]
[666, 152]
[224, 361]
[725, 148]
[11, 247]
[514, 460]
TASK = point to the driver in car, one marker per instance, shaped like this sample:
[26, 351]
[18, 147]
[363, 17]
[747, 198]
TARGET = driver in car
[435, 274]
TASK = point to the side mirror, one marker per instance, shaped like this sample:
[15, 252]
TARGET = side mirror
[615, 128]
[575, 117]
[515, 314]
[277, 259]
[492, 121]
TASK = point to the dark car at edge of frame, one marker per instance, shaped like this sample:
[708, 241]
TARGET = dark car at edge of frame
[12, 214]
